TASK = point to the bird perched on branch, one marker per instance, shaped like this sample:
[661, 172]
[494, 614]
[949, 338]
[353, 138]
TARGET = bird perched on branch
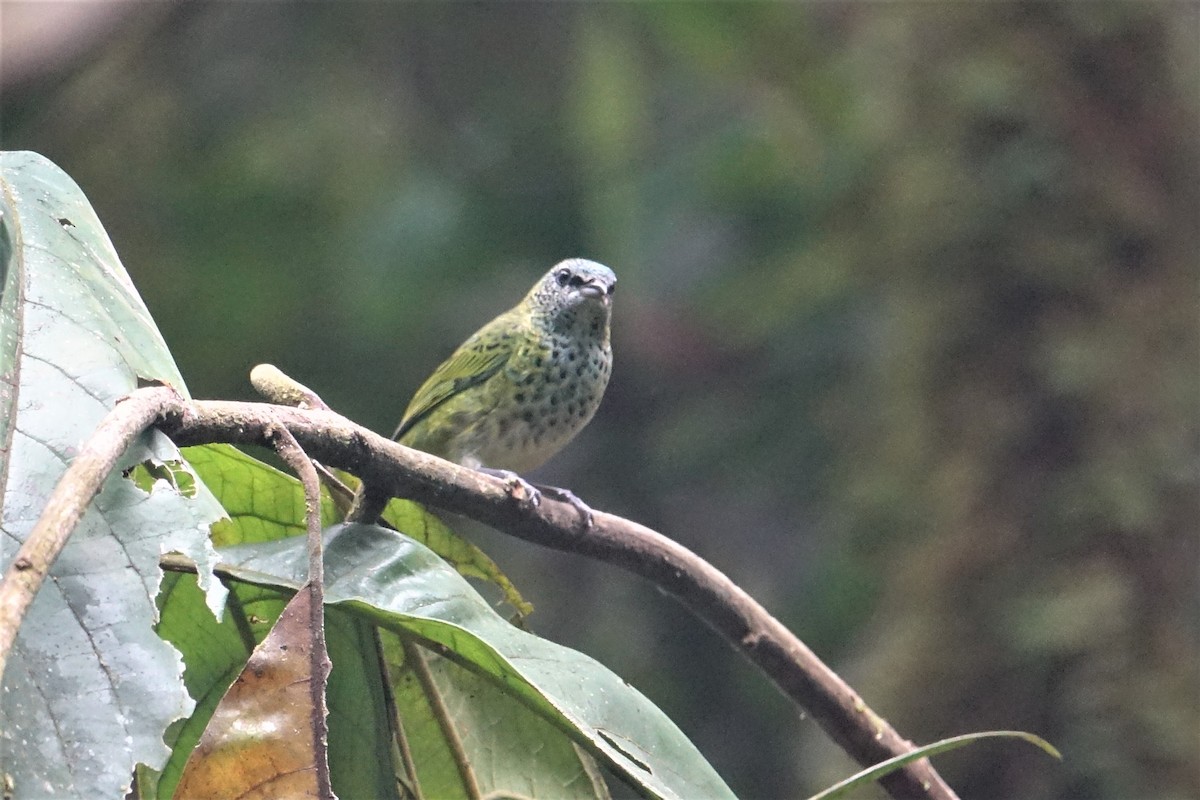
[515, 392]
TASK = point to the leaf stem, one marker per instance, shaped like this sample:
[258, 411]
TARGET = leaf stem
[415, 659]
[399, 736]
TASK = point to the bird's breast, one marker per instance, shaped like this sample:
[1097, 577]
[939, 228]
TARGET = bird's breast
[552, 389]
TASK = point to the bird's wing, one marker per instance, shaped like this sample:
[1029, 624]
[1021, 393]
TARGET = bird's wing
[470, 365]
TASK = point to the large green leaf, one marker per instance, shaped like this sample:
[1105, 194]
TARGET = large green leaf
[89, 687]
[360, 751]
[405, 588]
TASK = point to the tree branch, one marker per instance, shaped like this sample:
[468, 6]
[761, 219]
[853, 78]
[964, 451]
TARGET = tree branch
[405, 472]
[401, 471]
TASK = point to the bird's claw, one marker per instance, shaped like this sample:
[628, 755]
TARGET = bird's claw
[517, 487]
[526, 493]
[569, 497]
[522, 490]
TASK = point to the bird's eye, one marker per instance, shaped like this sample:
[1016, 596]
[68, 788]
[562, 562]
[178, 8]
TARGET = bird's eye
[563, 277]
[612, 287]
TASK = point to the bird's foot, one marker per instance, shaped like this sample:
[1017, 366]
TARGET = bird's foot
[567, 496]
[517, 487]
[525, 492]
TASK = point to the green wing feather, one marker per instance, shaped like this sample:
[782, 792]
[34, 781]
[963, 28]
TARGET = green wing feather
[476, 360]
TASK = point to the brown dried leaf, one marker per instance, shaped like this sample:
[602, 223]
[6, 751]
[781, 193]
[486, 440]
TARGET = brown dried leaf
[266, 738]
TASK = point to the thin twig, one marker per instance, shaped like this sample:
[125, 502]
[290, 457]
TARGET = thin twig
[275, 385]
[233, 605]
[67, 503]
[293, 455]
[281, 388]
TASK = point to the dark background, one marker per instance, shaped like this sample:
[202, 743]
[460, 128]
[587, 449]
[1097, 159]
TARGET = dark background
[906, 332]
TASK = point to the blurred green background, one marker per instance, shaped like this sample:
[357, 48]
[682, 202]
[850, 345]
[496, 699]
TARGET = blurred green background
[906, 332]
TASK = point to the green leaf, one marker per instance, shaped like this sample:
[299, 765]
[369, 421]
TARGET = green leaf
[360, 752]
[469, 737]
[872, 774]
[400, 585]
[89, 687]
[415, 521]
[263, 503]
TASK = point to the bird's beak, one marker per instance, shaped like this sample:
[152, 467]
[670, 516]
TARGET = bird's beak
[593, 290]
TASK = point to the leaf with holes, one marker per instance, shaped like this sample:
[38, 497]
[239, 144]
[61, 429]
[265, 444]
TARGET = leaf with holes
[89, 687]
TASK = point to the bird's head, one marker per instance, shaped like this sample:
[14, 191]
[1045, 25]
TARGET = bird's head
[574, 290]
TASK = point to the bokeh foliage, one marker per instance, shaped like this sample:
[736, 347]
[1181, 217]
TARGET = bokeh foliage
[906, 334]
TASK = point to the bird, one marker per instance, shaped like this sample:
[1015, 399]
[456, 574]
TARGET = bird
[522, 386]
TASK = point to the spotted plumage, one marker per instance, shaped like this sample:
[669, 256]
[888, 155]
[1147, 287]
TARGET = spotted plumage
[521, 387]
